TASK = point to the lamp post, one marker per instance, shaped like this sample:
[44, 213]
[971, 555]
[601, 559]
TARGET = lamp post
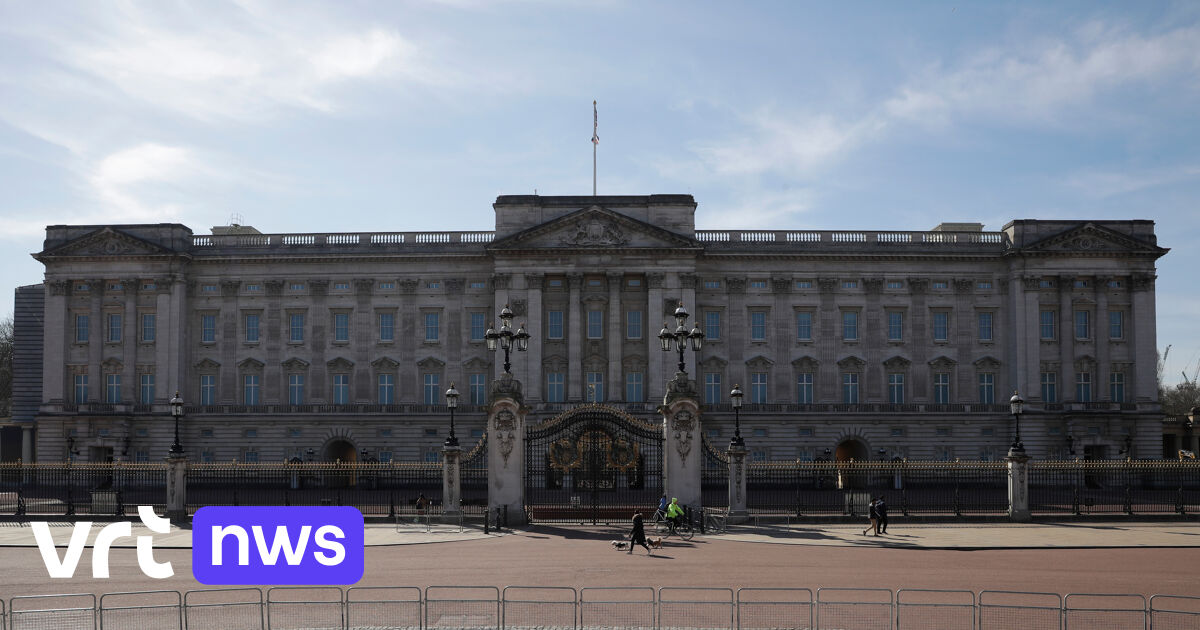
[1016, 405]
[735, 398]
[505, 338]
[177, 412]
[452, 403]
[681, 336]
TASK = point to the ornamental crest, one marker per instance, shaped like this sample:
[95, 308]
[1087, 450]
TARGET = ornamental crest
[506, 427]
[622, 454]
[593, 233]
[565, 454]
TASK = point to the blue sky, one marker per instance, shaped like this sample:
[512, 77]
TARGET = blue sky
[414, 115]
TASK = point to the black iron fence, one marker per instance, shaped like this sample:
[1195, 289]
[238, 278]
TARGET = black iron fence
[1115, 487]
[555, 607]
[474, 470]
[846, 488]
[68, 489]
[714, 476]
[376, 489]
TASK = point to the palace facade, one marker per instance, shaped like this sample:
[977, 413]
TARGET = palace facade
[847, 344]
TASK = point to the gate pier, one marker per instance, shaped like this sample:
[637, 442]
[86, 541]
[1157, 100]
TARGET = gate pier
[682, 458]
[506, 453]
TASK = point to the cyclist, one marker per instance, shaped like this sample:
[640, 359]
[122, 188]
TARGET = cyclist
[674, 512]
[661, 512]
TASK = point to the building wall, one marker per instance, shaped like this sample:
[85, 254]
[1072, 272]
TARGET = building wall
[607, 257]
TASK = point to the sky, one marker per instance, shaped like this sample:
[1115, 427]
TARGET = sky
[379, 116]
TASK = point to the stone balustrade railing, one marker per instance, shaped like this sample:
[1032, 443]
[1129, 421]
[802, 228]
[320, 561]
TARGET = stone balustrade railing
[712, 239]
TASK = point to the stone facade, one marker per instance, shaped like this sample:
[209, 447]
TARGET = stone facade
[848, 344]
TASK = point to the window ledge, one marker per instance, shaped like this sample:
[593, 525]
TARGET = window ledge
[251, 343]
[344, 342]
[386, 342]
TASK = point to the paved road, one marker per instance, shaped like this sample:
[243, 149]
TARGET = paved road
[571, 557]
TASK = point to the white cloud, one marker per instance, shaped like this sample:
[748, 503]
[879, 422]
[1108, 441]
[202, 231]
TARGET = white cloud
[219, 64]
[757, 210]
[1101, 184]
[1046, 80]
[1041, 82]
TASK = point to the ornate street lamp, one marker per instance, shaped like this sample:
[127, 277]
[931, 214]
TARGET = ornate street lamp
[1016, 405]
[505, 338]
[735, 398]
[177, 412]
[452, 403]
[681, 336]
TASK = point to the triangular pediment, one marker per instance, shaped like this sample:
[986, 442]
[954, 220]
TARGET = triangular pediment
[594, 227]
[106, 241]
[1089, 238]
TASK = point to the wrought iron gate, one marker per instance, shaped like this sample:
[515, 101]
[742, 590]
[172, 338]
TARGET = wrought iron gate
[592, 464]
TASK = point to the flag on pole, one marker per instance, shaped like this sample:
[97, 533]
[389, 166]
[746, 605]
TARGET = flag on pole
[595, 124]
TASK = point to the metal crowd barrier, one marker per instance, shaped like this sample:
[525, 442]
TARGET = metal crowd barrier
[592, 608]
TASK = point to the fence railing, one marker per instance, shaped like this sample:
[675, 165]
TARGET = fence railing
[1114, 487]
[846, 488]
[374, 488]
[68, 489]
[521, 607]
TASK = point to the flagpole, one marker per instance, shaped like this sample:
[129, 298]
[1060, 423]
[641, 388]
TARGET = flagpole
[595, 142]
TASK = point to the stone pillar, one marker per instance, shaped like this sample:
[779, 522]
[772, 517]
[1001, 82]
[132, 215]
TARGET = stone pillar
[27, 444]
[737, 484]
[655, 373]
[1018, 486]
[451, 481]
[506, 449]
[681, 440]
[574, 334]
[1145, 341]
[614, 334]
[177, 465]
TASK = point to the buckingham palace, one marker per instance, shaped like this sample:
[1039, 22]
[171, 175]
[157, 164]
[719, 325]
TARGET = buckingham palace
[847, 344]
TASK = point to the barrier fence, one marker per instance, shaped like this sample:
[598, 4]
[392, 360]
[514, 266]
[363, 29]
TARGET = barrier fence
[593, 608]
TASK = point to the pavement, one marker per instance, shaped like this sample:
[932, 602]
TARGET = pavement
[963, 536]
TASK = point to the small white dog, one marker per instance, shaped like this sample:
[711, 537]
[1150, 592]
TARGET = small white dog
[620, 545]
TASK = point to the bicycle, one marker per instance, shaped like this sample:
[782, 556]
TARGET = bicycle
[665, 528]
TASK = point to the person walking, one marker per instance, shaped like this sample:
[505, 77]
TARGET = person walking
[422, 505]
[638, 535]
[874, 516]
[881, 512]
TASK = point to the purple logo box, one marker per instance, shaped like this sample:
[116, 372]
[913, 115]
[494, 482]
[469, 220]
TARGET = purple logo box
[277, 545]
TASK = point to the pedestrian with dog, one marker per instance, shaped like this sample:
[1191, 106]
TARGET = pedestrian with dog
[638, 535]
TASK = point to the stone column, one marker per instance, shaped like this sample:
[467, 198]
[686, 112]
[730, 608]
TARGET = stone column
[1145, 341]
[687, 293]
[177, 465]
[681, 440]
[1018, 486]
[58, 331]
[737, 484]
[574, 335]
[1100, 336]
[616, 333]
[654, 318]
[533, 361]
[451, 481]
[1066, 337]
[506, 449]
[27, 444]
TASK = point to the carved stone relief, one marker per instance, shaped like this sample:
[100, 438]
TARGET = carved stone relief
[594, 232]
[683, 424]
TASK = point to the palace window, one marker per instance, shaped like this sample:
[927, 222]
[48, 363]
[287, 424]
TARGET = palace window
[387, 389]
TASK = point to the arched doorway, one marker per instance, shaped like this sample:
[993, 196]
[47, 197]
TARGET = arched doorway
[339, 450]
[854, 477]
[851, 449]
